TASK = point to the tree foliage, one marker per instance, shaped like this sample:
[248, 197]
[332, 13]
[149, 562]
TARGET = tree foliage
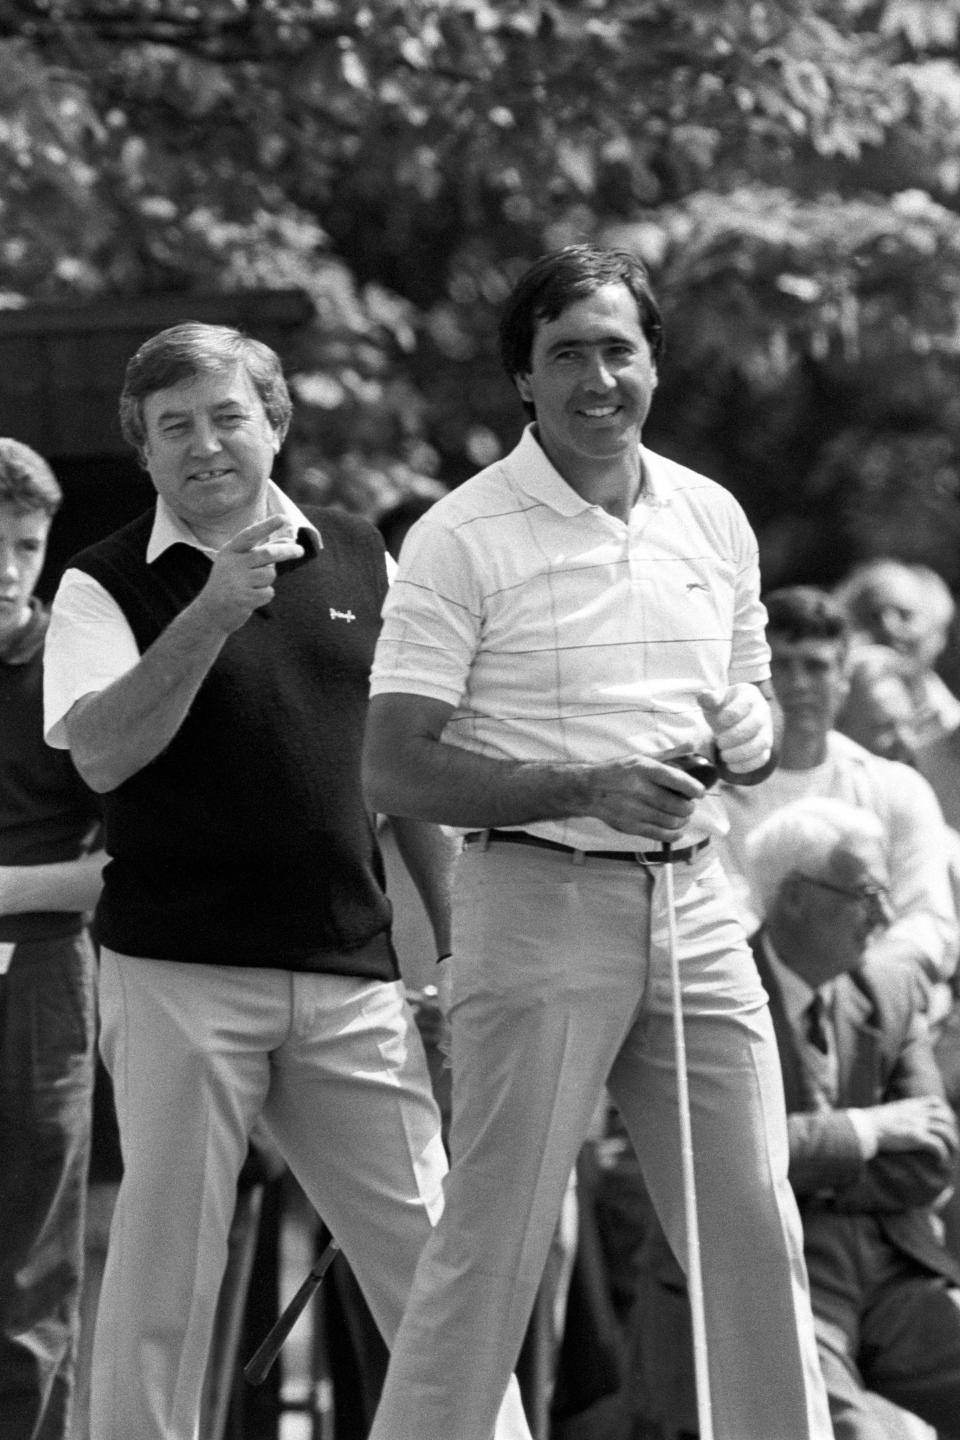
[788, 168]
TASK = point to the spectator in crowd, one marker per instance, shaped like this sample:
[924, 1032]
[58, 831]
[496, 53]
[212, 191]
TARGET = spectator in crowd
[207, 666]
[873, 1142]
[810, 648]
[939, 764]
[562, 627]
[877, 710]
[910, 609]
[50, 867]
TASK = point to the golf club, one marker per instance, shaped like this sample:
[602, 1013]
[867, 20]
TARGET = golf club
[702, 769]
[258, 1366]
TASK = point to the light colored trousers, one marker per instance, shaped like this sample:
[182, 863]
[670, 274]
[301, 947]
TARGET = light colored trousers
[561, 982]
[336, 1068]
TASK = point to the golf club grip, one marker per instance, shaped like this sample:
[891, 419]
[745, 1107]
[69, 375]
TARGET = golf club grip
[258, 1366]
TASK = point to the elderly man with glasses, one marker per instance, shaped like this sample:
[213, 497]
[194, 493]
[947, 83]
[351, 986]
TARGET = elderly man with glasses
[873, 1143]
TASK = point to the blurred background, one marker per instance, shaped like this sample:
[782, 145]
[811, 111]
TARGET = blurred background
[358, 183]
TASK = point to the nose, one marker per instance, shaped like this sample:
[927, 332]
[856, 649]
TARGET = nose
[204, 439]
[8, 561]
[599, 376]
[880, 910]
[792, 678]
[901, 741]
[889, 622]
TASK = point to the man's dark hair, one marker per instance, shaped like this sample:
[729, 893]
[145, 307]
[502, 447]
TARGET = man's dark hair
[560, 279]
[26, 480]
[192, 348]
[805, 612]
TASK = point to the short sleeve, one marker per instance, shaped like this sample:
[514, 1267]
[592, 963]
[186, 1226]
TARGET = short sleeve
[89, 644]
[431, 618]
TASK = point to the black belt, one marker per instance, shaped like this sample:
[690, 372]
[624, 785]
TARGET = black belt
[636, 857]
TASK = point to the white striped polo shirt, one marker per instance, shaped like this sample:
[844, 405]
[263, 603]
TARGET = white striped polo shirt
[561, 633]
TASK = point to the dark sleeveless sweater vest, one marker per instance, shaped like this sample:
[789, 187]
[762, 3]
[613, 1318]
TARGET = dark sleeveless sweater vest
[246, 842]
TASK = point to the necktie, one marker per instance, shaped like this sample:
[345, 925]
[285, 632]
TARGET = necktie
[817, 1024]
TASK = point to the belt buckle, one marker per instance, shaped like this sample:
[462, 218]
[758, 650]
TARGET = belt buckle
[645, 857]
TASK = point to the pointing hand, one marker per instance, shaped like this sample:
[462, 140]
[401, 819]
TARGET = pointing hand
[245, 569]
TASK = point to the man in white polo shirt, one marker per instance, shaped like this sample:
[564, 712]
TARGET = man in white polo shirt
[562, 626]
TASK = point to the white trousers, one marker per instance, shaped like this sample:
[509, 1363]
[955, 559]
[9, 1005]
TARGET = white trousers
[561, 983]
[336, 1069]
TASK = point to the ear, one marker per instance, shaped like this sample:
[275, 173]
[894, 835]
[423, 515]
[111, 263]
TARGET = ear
[522, 383]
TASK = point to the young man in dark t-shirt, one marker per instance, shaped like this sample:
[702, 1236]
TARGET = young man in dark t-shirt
[49, 879]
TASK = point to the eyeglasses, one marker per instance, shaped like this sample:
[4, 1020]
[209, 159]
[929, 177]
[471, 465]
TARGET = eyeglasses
[870, 892]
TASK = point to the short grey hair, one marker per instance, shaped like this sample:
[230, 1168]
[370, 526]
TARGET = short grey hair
[938, 603]
[194, 348]
[799, 838]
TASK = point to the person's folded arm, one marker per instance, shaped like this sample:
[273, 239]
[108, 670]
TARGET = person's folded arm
[924, 931]
[69, 885]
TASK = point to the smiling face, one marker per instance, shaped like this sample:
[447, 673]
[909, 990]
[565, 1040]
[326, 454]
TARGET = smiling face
[896, 611]
[209, 450]
[591, 381]
[23, 546]
[878, 714]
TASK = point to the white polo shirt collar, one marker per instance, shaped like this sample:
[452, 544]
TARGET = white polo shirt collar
[168, 529]
[537, 477]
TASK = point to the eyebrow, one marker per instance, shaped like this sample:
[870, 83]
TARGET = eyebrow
[229, 404]
[579, 343]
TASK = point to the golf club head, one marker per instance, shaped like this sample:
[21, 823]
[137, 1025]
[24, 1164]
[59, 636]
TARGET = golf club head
[700, 766]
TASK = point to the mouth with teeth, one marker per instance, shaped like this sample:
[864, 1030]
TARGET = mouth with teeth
[211, 474]
[600, 412]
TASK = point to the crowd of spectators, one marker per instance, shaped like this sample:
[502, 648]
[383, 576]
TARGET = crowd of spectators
[870, 728]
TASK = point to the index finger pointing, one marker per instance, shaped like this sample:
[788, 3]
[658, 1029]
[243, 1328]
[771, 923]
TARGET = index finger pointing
[256, 533]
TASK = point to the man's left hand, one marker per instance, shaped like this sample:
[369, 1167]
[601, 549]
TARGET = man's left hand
[431, 1007]
[742, 724]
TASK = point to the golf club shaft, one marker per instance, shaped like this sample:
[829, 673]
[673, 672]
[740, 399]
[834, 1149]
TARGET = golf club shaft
[694, 1273]
[258, 1366]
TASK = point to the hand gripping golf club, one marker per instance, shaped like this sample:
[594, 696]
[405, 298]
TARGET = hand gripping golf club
[258, 1366]
[705, 771]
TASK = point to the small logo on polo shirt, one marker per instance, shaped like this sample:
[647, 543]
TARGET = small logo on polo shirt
[347, 615]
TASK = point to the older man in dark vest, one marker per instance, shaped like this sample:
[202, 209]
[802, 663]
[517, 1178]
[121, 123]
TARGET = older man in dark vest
[208, 669]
